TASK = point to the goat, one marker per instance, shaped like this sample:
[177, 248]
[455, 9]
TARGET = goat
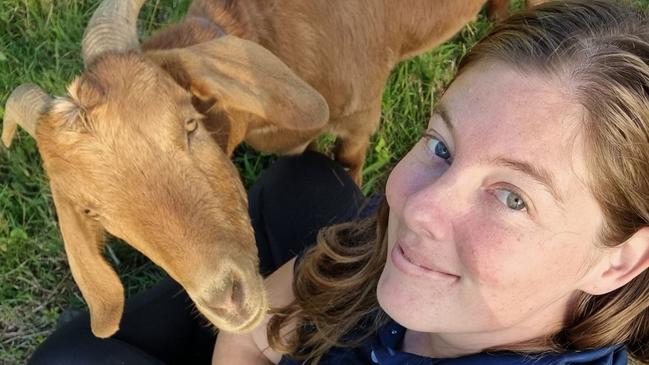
[133, 148]
[126, 153]
[344, 49]
[498, 9]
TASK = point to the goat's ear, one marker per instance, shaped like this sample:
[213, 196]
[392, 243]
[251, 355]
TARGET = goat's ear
[244, 76]
[99, 284]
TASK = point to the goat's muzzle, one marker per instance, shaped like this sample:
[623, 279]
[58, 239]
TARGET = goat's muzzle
[236, 304]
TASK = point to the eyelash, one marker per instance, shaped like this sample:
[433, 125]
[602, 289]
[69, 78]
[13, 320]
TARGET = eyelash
[503, 204]
[191, 126]
[428, 136]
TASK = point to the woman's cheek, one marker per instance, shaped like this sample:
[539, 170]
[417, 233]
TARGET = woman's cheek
[486, 253]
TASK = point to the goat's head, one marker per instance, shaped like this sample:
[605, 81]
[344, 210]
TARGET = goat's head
[127, 152]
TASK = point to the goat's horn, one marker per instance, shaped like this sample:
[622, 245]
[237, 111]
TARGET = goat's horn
[24, 106]
[113, 27]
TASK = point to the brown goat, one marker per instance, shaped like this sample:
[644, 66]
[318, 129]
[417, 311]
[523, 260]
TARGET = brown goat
[498, 9]
[131, 149]
[126, 152]
[344, 49]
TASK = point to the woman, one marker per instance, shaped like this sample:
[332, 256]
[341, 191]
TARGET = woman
[517, 229]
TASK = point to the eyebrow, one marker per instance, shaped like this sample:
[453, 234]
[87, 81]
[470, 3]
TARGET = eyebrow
[538, 173]
[440, 110]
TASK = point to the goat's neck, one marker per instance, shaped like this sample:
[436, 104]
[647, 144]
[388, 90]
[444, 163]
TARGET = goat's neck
[191, 31]
[207, 20]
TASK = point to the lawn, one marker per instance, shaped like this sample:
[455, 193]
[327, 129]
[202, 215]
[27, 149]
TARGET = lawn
[40, 43]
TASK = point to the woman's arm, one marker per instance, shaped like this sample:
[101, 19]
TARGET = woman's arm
[252, 348]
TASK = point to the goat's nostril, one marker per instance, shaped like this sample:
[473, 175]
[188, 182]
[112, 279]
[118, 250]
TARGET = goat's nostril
[237, 293]
[231, 298]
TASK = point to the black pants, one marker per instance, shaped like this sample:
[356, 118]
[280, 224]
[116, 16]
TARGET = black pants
[290, 202]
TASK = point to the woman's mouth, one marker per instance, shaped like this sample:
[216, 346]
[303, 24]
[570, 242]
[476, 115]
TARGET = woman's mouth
[407, 262]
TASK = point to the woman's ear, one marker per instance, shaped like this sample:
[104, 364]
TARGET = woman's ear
[620, 264]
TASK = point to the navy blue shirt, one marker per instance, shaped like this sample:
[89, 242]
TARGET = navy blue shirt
[380, 348]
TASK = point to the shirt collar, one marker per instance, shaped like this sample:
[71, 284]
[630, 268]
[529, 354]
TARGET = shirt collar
[382, 351]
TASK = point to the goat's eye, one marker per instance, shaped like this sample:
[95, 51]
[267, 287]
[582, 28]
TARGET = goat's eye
[191, 125]
[90, 213]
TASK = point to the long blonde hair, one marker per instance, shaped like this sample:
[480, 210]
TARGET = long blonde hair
[602, 49]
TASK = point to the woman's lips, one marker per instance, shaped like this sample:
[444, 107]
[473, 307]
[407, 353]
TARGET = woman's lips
[404, 261]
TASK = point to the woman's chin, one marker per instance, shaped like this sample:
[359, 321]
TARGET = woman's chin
[390, 297]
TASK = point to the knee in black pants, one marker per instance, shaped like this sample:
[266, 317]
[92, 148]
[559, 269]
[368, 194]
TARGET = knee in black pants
[293, 199]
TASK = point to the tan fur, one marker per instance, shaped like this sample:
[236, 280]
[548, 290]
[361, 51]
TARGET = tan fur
[121, 160]
[344, 49]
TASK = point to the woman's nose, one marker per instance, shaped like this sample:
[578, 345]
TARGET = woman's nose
[430, 209]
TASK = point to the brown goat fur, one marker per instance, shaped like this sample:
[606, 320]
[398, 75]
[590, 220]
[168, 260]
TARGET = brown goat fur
[119, 162]
[126, 153]
[344, 49]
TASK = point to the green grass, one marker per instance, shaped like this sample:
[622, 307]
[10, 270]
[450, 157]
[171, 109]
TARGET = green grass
[40, 43]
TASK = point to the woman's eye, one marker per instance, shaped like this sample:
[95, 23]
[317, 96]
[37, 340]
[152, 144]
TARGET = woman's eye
[510, 199]
[438, 148]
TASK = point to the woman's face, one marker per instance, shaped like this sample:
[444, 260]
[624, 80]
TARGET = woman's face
[492, 230]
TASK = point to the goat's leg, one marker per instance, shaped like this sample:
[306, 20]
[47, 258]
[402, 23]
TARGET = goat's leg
[498, 9]
[352, 143]
[350, 152]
